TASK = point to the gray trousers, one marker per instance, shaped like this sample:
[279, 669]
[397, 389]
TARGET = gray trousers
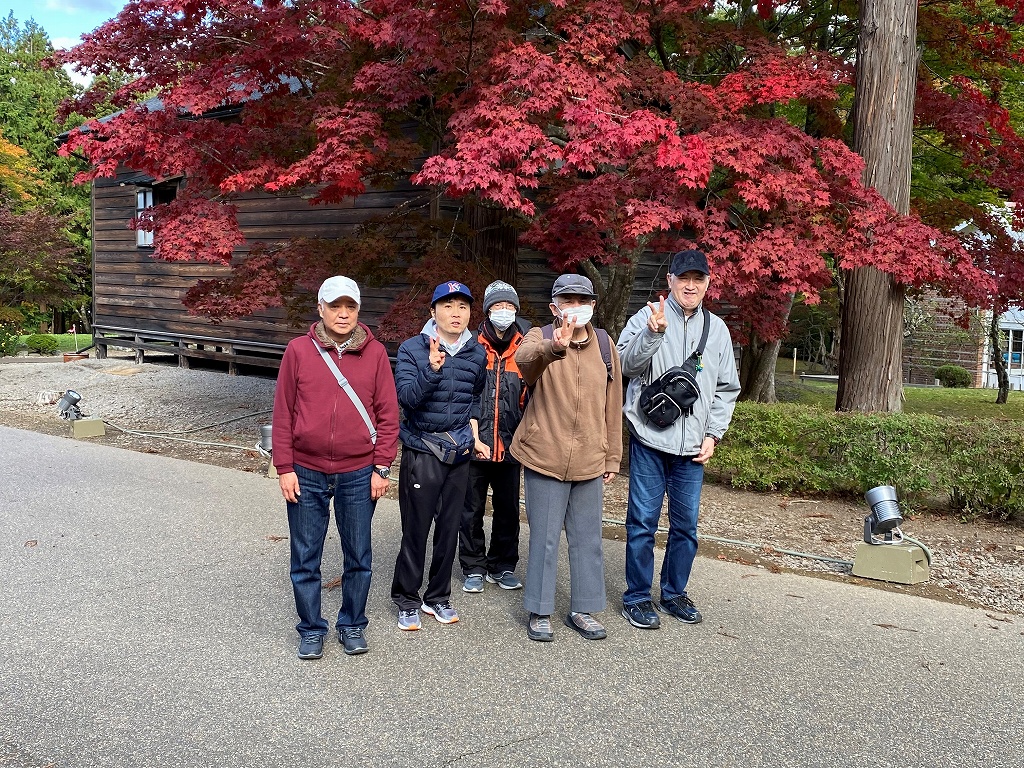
[550, 504]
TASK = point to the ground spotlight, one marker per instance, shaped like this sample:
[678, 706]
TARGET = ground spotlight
[882, 525]
[67, 406]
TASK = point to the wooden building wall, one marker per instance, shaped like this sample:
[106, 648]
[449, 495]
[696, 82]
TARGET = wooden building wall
[137, 299]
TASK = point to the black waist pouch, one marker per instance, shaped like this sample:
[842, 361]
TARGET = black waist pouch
[452, 447]
[671, 395]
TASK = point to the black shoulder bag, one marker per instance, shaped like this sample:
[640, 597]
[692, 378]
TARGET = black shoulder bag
[673, 393]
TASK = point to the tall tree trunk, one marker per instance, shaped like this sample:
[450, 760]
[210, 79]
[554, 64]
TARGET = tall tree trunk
[757, 370]
[1002, 375]
[871, 358]
[614, 289]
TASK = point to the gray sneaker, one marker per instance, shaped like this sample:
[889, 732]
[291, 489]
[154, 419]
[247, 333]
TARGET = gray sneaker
[539, 628]
[443, 612]
[586, 625]
[409, 620]
[474, 583]
[505, 580]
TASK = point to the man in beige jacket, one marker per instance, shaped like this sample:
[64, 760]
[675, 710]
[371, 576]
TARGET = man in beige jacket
[570, 445]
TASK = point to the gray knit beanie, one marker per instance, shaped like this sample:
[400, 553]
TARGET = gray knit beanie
[497, 291]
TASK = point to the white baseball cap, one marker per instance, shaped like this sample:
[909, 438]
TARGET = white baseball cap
[336, 287]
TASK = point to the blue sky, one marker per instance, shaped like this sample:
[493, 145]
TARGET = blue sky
[65, 21]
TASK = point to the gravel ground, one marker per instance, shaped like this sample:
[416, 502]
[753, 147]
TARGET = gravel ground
[979, 562]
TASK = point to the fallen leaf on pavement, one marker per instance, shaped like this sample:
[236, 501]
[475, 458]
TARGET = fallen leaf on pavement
[330, 585]
[31, 542]
[276, 538]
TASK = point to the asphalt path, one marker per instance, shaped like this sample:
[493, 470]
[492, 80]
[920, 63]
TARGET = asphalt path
[147, 620]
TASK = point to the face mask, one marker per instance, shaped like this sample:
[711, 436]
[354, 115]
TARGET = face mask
[582, 314]
[502, 318]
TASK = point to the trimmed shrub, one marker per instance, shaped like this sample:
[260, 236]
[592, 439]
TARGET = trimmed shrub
[953, 376]
[976, 466]
[43, 343]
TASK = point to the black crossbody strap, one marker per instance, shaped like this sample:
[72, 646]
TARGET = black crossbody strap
[704, 334]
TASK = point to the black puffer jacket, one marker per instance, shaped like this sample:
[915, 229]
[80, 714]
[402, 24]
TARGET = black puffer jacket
[437, 401]
[504, 396]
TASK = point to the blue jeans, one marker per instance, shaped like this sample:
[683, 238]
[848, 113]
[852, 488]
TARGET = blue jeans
[651, 473]
[308, 520]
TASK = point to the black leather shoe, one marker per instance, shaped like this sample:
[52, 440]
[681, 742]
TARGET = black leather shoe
[311, 647]
[352, 640]
[682, 608]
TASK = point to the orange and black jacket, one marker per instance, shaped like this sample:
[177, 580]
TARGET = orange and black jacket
[504, 397]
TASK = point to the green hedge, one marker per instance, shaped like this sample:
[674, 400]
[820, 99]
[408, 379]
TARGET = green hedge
[43, 343]
[976, 467]
[953, 376]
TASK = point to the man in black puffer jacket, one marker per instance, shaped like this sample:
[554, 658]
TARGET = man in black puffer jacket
[439, 376]
[501, 410]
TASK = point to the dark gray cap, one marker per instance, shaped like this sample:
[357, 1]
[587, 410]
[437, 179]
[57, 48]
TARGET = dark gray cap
[689, 261]
[572, 283]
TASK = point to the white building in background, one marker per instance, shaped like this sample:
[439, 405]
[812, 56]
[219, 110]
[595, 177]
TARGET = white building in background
[1011, 326]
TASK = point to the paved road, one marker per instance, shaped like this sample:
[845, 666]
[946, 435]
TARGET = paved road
[147, 621]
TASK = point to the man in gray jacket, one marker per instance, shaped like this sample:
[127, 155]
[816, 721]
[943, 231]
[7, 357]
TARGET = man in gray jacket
[672, 457]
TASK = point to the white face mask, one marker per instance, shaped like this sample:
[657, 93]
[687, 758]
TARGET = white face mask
[502, 318]
[583, 314]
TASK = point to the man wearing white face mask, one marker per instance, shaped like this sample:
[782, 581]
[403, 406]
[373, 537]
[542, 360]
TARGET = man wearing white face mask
[501, 410]
[570, 443]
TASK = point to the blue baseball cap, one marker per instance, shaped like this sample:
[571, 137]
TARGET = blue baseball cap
[689, 261]
[444, 290]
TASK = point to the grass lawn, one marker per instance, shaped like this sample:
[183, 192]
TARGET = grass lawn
[67, 341]
[938, 401]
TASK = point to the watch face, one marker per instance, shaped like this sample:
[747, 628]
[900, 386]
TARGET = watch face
[384, 472]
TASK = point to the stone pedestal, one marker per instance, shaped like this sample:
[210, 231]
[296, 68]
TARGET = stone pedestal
[899, 563]
[88, 428]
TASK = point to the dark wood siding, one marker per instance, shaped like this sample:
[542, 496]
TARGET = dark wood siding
[137, 299]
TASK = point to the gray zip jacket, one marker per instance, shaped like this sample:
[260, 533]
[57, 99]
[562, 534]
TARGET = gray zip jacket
[645, 356]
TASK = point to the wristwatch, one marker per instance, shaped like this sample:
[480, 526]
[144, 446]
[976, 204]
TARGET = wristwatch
[716, 438]
[384, 472]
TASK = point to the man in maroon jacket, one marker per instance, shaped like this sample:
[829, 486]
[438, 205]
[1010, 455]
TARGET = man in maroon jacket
[335, 435]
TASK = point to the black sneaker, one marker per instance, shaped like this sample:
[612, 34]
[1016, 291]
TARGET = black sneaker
[641, 615]
[311, 647]
[353, 641]
[682, 608]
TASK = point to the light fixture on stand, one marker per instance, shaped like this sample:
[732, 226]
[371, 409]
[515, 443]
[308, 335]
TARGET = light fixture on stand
[67, 406]
[882, 525]
[67, 409]
[902, 562]
[266, 446]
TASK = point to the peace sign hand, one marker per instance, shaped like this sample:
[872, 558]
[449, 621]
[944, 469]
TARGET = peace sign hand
[563, 333]
[436, 354]
[657, 322]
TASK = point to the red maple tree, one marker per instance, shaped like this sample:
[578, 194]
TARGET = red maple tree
[603, 128]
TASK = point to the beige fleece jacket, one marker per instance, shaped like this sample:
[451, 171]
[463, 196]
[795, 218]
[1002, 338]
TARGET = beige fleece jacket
[572, 429]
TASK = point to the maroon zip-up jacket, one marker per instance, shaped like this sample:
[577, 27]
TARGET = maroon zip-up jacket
[316, 425]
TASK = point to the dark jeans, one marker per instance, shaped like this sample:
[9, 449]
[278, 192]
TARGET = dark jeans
[651, 473]
[474, 557]
[308, 520]
[429, 491]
